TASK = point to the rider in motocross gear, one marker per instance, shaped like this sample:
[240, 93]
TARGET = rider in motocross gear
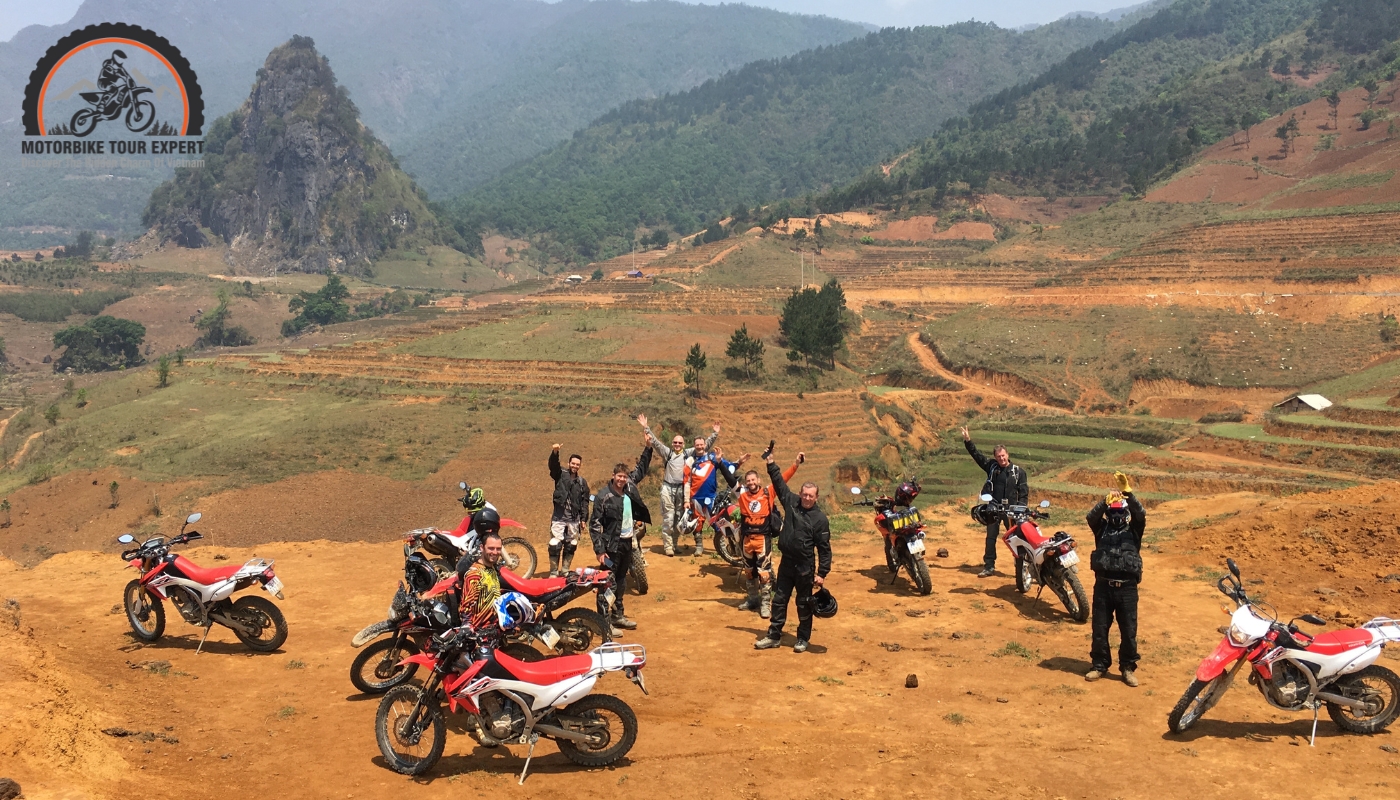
[701, 484]
[481, 584]
[570, 510]
[757, 505]
[1118, 522]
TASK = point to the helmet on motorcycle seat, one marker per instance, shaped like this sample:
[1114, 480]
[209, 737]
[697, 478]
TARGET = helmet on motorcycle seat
[907, 491]
[823, 604]
[418, 573]
[475, 500]
[486, 521]
[513, 609]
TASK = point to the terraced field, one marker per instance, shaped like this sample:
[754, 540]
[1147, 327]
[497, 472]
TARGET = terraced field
[699, 301]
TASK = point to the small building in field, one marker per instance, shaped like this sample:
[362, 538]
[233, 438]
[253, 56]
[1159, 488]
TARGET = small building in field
[575, 279]
[1303, 402]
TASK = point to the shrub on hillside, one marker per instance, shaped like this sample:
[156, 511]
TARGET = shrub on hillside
[102, 343]
[55, 306]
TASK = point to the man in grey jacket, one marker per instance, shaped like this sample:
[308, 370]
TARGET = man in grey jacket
[673, 464]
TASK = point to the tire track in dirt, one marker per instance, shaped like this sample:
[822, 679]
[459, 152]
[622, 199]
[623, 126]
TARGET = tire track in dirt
[930, 362]
[24, 448]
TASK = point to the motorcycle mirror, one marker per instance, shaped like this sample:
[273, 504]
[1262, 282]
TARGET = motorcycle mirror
[193, 518]
[855, 490]
[1313, 619]
[462, 485]
[1044, 503]
[126, 538]
[1234, 569]
[986, 498]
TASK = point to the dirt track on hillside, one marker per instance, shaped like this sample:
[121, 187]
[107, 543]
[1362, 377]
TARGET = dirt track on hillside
[837, 721]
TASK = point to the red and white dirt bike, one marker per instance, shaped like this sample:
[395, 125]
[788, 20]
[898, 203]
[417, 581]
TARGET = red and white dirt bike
[446, 548]
[1295, 671]
[201, 595]
[510, 700]
[1051, 561]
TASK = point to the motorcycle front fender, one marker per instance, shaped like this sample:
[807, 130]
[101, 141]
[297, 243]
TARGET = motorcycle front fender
[372, 632]
[422, 659]
[140, 90]
[1219, 660]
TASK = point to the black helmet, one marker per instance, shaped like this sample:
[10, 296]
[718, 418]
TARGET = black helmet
[486, 521]
[823, 604]
[982, 514]
[118, 54]
[419, 573]
[907, 491]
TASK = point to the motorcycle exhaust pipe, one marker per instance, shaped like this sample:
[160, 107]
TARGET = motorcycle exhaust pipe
[1347, 702]
[560, 733]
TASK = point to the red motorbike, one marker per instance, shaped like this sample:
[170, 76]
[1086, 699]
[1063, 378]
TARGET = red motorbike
[1296, 671]
[446, 548]
[1050, 561]
[899, 522]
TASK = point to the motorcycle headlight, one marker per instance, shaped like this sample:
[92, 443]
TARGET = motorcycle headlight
[1238, 637]
[440, 614]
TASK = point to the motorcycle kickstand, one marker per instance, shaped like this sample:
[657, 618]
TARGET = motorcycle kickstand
[528, 755]
[207, 628]
[1312, 741]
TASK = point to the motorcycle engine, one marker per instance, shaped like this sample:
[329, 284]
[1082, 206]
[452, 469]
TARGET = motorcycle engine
[187, 603]
[1289, 685]
[502, 715]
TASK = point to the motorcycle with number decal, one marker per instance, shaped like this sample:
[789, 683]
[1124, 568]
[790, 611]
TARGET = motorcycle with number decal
[1296, 671]
[1050, 561]
[899, 522]
[510, 701]
[201, 595]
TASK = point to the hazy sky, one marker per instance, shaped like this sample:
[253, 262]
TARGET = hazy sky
[15, 14]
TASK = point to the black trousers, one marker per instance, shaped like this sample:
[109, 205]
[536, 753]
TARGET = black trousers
[1109, 602]
[989, 556]
[792, 578]
[621, 565]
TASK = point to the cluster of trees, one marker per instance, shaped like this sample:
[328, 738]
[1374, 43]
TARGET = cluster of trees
[216, 329]
[747, 350]
[814, 324]
[102, 343]
[327, 306]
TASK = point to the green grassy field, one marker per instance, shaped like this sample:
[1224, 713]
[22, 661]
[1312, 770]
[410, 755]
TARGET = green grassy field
[573, 335]
[1119, 226]
[444, 269]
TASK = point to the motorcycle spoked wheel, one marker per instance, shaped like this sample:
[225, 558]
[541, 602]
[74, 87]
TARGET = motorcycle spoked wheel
[1071, 593]
[410, 729]
[729, 547]
[83, 122]
[144, 611]
[890, 563]
[581, 630]
[610, 724]
[261, 614]
[1200, 697]
[1024, 579]
[444, 568]
[918, 573]
[637, 573]
[376, 669]
[140, 115]
[519, 556]
[1374, 685]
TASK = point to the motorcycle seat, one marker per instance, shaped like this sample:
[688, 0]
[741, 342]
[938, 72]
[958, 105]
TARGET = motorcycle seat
[1333, 642]
[199, 574]
[550, 670]
[532, 587]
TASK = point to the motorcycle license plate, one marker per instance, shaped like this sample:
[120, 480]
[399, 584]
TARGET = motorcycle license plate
[274, 586]
[610, 597]
[916, 546]
[549, 636]
[1069, 559]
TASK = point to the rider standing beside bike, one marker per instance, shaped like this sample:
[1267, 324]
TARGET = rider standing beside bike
[805, 530]
[674, 462]
[481, 586]
[759, 523]
[1118, 522]
[616, 510]
[570, 509]
[1006, 483]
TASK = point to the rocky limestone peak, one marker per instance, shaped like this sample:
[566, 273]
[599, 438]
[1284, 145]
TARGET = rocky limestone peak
[292, 179]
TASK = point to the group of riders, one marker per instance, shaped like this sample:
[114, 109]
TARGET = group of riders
[690, 476]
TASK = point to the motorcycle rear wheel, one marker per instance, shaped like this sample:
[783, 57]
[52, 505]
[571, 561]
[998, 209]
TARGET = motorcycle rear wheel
[84, 121]
[519, 555]
[637, 574]
[1376, 684]
[267, 617]
[1198, 698]
[1071, 593]
[918, 573]
[145, 612]
[583, 628]
[728, 546]
[1023, 575]
[376, 669]
[409, 752]
[612, 723]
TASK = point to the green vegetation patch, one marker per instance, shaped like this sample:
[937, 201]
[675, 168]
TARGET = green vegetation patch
[546, 336]
[57, 306]
[1346, 180]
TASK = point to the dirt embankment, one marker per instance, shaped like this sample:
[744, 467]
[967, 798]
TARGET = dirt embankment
[1299, 429]
[1358, 462]
[1362, 416]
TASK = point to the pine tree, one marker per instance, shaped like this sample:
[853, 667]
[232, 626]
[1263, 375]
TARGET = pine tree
[695, 364]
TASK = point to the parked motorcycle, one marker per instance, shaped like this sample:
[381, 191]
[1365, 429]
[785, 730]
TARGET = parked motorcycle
[448, 547]
[411, 622]
[1296, 671]
[510, 700]
[1050, 561]
[903, 529]
[574, 630]
[200, 595]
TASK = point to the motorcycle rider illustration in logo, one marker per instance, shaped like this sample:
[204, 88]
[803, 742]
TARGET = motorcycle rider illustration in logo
[120, 92]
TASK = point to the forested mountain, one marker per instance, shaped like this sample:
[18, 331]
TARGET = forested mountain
[771, 129]
[1133, 107]
[459, 88]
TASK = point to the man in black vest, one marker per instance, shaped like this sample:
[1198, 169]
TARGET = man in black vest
[616, 510]
[1117, 522]
[1006, 482]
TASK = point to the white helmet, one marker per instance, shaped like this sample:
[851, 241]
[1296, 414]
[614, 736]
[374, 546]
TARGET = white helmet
[513, 609]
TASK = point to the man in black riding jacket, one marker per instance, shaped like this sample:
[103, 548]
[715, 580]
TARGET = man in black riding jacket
[805, 544]
[570, 510]
[617, 508]
[1006, 483]
[1118, 522]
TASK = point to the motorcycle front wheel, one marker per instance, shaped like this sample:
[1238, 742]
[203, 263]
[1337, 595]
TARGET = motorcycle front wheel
[610, 725]
[145, 612]
[410, 730]
[376, 669]
[519, 555]
[84, 121]
[1023, 575]
[1198, 698]
[265, 618]
[1376, 686]
[581, 630]
[728, 546]
[140, 115]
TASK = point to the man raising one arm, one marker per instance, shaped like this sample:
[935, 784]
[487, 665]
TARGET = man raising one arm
[570, 509]
[673, 464]
[1006, 483]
